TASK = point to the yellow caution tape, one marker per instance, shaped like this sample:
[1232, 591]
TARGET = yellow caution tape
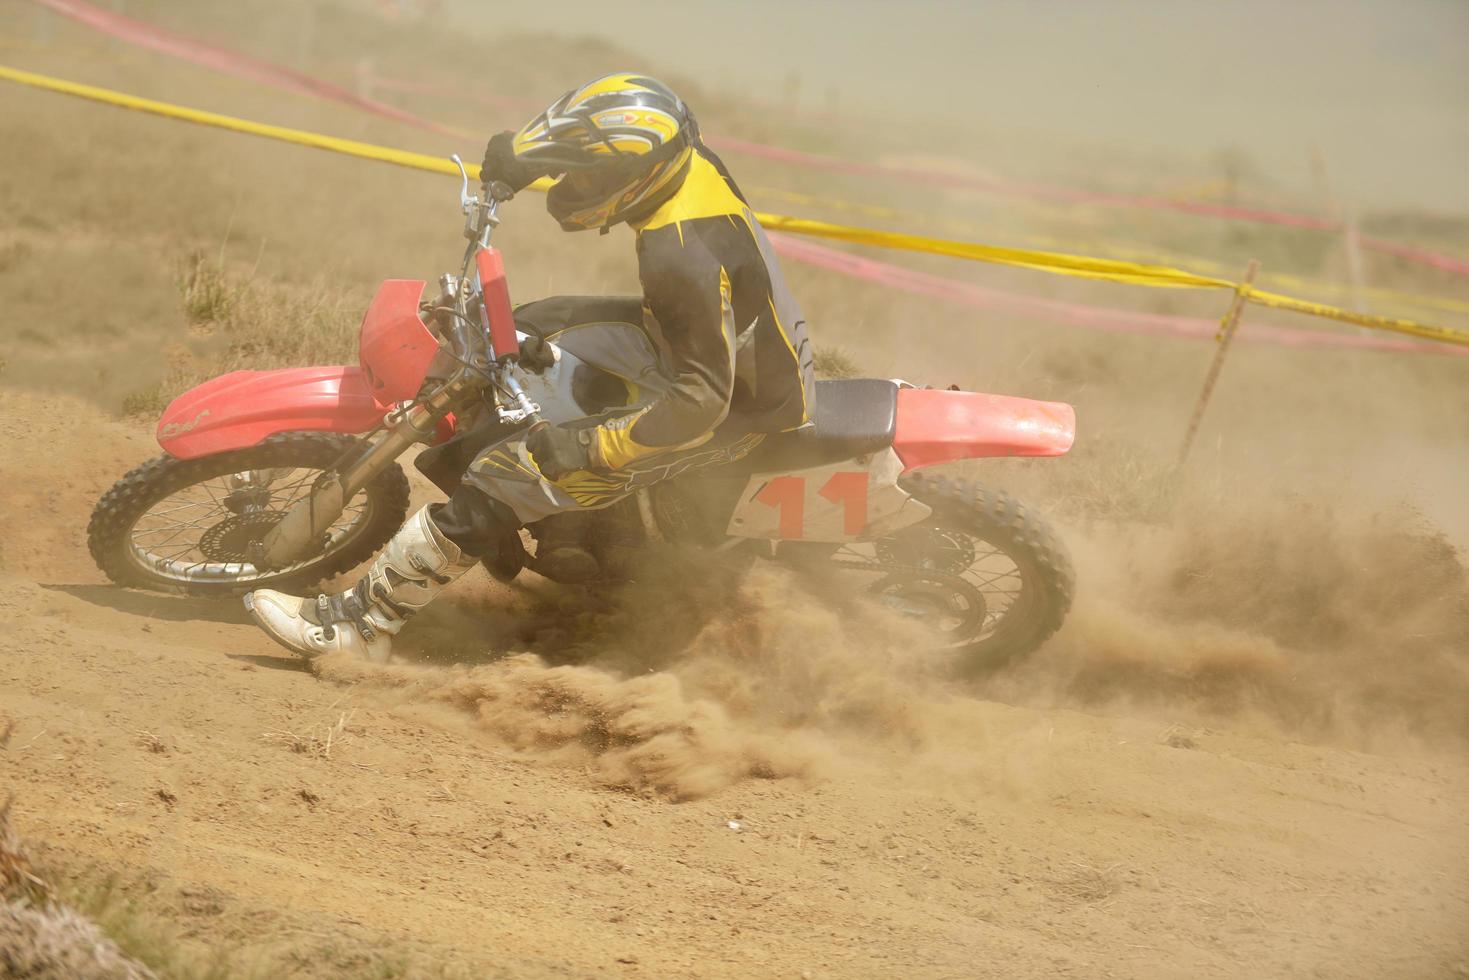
[1135, 253]
[1428, 331]
[367, 151]
[1110, 270]
[1138, 253]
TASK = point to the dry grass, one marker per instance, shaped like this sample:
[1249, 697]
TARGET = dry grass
[102, 925]
[151, 742]
[1086, 884]
[43, 938]
[207, 292]
[245, 322]
[834, 362]
[19, 881]
[316, 742]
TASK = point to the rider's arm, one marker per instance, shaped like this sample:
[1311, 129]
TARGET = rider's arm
[687, 291]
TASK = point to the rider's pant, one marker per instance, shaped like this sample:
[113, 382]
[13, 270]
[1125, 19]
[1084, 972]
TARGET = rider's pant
[472, 521]
[503, 486]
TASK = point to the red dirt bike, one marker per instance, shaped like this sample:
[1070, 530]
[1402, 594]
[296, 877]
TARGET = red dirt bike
[282, 478]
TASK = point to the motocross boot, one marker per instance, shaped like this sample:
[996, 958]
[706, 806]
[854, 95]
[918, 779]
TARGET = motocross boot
[415, 566]
[562, 552]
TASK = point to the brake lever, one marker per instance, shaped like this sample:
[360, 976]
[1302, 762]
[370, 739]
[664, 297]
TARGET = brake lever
[481, 215]
[466, 200]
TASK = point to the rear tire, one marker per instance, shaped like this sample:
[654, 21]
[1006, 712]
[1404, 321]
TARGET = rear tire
[110, 533]
[1048, 582]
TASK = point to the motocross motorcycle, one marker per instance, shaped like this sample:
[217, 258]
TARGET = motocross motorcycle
[279, 479]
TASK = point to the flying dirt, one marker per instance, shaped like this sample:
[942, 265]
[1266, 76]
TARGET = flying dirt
[1242, 751]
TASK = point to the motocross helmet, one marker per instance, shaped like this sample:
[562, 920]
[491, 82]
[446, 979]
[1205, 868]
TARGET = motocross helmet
[621, 143]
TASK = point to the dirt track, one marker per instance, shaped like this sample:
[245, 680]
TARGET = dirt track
[920, 832]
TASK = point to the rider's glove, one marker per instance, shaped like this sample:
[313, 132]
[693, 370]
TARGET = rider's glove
[536, 355]
[559, 451]
[500, 164]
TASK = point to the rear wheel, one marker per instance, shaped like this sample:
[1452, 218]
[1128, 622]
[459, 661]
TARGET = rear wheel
[986, 573]
[186, 525]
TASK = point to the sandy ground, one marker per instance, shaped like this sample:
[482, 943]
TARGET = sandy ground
[515, 819]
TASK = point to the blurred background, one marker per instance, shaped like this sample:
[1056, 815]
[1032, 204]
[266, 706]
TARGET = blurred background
[1376, 92]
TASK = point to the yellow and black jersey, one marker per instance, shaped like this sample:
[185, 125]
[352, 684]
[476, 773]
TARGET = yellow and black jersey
[727, 328]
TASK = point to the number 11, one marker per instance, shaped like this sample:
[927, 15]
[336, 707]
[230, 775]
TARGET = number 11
[788, 495]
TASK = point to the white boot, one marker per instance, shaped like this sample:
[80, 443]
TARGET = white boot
[409, 573]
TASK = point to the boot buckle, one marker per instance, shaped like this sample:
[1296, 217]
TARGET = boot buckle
[324, 615]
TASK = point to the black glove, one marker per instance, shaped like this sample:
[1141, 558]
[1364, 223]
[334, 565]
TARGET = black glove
[500, 164]
[536, 355]
[559, 451]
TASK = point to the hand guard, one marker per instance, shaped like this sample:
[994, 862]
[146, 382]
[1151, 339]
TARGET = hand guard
[500, 164]
[559, 451]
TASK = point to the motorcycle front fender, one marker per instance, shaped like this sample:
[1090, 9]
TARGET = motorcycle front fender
[242, 408]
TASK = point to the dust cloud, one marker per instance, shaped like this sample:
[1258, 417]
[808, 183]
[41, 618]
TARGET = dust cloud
[1322, 621]
[756, 679]
[1315, 623]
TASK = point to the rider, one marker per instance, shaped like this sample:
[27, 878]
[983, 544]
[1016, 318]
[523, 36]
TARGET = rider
[733, 361]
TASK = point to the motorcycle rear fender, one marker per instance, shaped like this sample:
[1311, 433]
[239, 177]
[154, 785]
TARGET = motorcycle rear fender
[936, 426]
[241, 408]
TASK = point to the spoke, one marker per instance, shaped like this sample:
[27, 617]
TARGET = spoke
[212, 496]
[171, 510]
[175, 529]
[187, 524]
[995, 578]
[165, 541]
[290, 489]
[200, 525]
[187, 506]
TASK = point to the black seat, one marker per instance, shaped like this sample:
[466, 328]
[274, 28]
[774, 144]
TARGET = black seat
[853, 417]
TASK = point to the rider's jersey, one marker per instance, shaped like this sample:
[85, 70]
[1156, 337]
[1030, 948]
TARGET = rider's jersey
[728, 330]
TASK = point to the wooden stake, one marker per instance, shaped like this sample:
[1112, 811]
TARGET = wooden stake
[1227, 327]
[1352, 241]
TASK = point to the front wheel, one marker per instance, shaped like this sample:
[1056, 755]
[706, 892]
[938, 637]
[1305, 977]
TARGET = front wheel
[187, 525]
[986, 573]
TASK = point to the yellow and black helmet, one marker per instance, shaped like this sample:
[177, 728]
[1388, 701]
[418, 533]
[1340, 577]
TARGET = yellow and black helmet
[622, 144]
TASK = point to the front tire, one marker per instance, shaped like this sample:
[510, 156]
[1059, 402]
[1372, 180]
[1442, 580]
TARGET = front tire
[219, 504]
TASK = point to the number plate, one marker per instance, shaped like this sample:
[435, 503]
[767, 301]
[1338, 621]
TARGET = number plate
[842, 502]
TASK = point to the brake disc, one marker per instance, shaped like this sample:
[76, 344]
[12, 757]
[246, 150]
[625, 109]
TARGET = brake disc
[231, 538]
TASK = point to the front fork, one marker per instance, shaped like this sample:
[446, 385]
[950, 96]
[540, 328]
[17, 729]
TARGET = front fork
[306, 523]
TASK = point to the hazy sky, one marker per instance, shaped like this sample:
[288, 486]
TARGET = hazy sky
[1381, 86]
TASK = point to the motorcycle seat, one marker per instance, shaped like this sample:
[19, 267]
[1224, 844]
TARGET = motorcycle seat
[852, 417]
